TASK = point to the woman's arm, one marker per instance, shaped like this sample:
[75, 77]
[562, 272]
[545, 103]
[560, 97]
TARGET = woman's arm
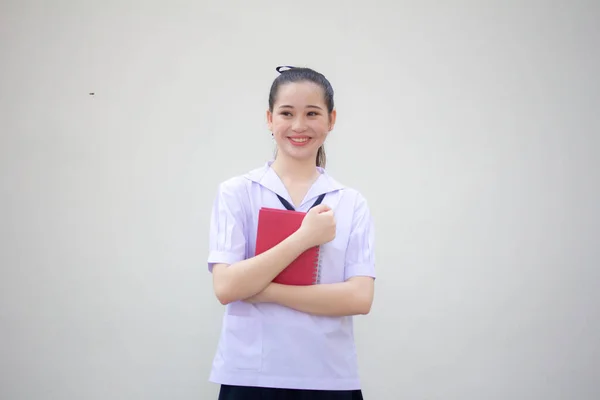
[352, 297]
[246, 278]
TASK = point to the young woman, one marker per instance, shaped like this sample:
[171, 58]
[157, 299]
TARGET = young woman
[281, 341]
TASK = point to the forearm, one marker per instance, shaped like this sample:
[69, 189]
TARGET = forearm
[352, 297]
[243, 279]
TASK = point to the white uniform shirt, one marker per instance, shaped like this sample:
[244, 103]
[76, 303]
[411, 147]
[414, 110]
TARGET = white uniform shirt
[270, 345]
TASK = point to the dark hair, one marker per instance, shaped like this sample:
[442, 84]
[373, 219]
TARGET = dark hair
[294, 74]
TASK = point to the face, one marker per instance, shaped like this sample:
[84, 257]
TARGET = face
[300, 121]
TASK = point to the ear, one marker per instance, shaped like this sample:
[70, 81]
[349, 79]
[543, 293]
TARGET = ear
[270, 120]
[332, 118]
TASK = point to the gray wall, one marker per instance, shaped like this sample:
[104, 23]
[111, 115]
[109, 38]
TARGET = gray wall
[471, 127]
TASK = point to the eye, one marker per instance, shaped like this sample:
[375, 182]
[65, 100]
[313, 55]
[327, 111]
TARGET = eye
[313, 113]
[285, 113]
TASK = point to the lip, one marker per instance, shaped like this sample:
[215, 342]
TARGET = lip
[293, 140]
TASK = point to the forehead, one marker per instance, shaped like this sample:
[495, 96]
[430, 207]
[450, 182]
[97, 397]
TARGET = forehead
[298, 93]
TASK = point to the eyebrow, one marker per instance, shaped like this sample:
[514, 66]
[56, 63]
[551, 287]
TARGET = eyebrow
[309, 106]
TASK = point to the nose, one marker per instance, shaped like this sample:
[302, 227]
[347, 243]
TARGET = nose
[299, 125]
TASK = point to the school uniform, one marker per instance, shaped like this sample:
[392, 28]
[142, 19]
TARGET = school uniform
[267, 351]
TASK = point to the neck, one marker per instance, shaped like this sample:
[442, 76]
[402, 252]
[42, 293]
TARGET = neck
[295, 170]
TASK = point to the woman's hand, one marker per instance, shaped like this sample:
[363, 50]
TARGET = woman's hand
[318, 226]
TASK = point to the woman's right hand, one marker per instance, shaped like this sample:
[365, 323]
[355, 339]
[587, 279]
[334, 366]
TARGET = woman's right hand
[318, 226]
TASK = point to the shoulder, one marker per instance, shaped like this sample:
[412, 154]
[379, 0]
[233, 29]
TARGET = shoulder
[352, 202]
[239, 184]
[356, 195]
[350, 195]
[233, 185]
[359, 203]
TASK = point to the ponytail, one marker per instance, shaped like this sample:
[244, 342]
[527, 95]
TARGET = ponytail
[321, 158]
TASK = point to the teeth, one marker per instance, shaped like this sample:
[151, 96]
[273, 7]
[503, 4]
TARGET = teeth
[299, 140]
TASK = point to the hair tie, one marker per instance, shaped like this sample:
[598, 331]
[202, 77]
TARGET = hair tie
[283, 68]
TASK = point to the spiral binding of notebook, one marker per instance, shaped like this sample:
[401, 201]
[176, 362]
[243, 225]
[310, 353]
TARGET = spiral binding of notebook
[317, 272]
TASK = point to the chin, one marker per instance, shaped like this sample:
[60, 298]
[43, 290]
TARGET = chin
[296, 155]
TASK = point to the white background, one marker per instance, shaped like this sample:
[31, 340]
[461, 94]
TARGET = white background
[471, 127]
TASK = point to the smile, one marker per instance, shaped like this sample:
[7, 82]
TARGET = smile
[299, 141]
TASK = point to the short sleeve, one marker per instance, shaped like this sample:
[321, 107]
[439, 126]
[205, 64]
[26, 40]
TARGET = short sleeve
[227, 235]
[360, 254]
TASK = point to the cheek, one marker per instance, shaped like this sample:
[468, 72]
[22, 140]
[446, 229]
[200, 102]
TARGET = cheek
[280, 125]
[280, 129]
[321, 127]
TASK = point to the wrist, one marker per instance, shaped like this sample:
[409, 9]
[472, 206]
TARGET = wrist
[269, 294]
[301, 239]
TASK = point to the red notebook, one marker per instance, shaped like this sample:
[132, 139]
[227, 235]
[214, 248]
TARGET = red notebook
[274, 226]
